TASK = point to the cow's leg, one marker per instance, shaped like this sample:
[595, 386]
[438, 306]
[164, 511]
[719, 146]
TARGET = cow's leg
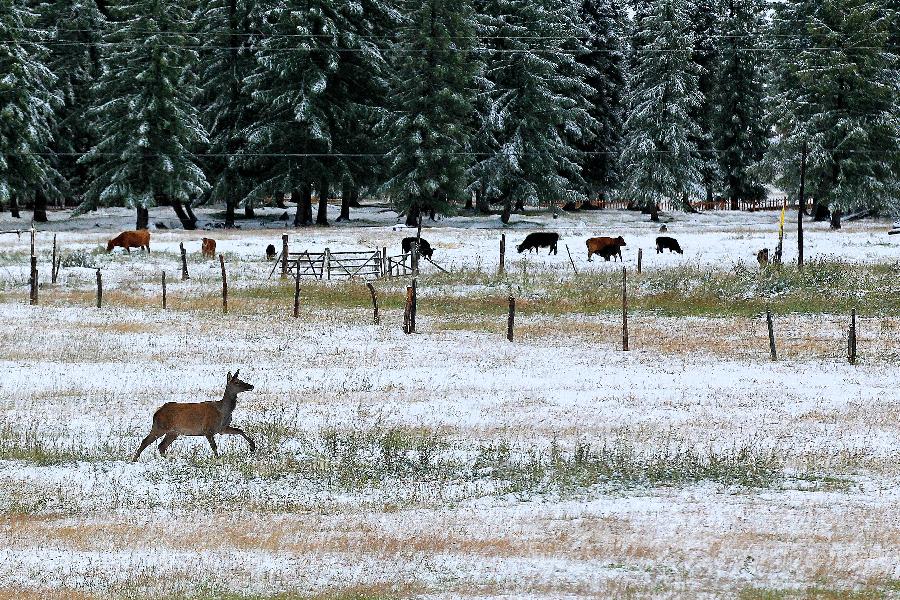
[240, 432]
[128, 249]
[154, 435]
[212, 444]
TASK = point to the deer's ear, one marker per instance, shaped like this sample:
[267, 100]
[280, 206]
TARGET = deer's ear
[229, 377]
[236, 373]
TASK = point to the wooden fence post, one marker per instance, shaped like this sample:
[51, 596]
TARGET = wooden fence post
[407, 310]
[53, 270]
[502, 253]
[99, 289]
[771, 327]
[224, 285]
[385, 264]
[297, 291]
[640, 259]
[412, 311]
[328, 263]
[511, 320]
[184, 270]
[33, 281]
[284, 255]
[624, 309]
[851, 339]
[376, 319]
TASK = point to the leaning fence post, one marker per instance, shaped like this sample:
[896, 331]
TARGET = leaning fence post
[412, 311]
[511, 320]
[502, 253]
[851, 339]
[164, 289]
[284, 255]
[328, 263]
[99, 289]
[624, 309]
[376, 319]
[184, 271]
[224, 285]
[297, 291]
[771, 327]
[570, 259]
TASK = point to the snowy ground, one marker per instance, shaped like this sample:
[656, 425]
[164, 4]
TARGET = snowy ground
[78, 386]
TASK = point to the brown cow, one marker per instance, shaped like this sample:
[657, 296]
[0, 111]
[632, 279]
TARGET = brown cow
[209, 247]
[762, 257]
[131, 239]
[606, 247]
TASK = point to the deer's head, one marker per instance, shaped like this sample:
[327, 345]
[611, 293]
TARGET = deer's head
[236, 385]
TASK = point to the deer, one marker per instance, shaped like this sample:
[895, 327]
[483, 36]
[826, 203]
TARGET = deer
[198, 418]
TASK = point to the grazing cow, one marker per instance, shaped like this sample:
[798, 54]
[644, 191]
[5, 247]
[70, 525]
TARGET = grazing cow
[534, 241]
[197, 418]
[667, 243]
[606, 247]
[663, 228]
[270, 252]
[762, 257]
[425, 248]
[129, 240]
[209, 247]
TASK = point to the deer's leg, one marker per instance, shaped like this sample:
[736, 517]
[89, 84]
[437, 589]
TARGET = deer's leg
[212, 444]
[240, 432]
[151, 437]
[167, 441]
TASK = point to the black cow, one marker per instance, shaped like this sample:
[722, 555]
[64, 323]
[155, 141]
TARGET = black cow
[670, 243]
[424, 247]
[270, 252]
[539, 240]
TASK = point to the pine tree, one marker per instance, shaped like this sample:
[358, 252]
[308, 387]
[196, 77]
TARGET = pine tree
[660, 155]
[739, 127]
[27, 103]
[429, 129]
[540, 109]
[706, 55]
[836, 92]
[75, 60]
[227, 109]
[605, 57]
[299, 87]
[149, 127]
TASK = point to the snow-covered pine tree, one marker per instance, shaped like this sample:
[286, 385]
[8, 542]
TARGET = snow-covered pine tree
[836, 91]
[706, 20]
[302, 104]
[27, 103]
[149, 129]
[606, 57]
[540, 109]
[75, 60]
[227, 109]
[430, 125]
[660, 156]
[739, 127]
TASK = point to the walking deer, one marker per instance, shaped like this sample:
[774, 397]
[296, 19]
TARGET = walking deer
[197, 418]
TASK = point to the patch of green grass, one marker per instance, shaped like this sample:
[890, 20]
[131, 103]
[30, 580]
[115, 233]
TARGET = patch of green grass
[812, 593]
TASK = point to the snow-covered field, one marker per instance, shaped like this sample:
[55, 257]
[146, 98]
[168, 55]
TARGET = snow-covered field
[452, 463]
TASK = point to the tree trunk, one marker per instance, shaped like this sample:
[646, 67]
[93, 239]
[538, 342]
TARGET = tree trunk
[14, 207]
[469, 202]
[40, 207]
[346, 195]
[354, 198]
[322, 215]
[143, 218]
[836, 219]
[520, 205]
[186, 221]
[248, 209]
[482, 205]
[412, 214]
[229, 214]
[305, 204]
[191, 215]
[507, 205]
